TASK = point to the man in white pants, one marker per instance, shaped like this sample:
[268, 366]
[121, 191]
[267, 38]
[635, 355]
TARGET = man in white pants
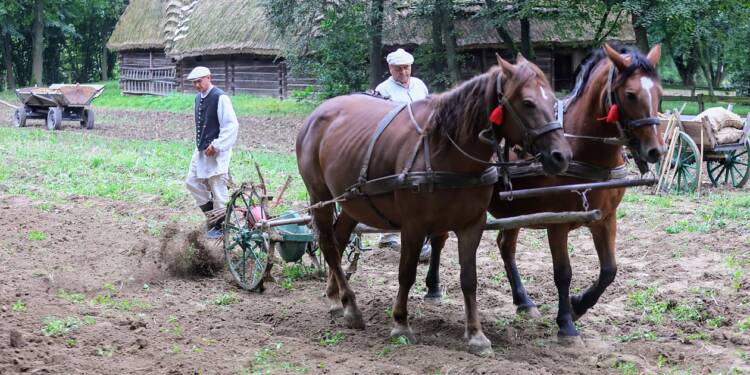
[403, 88]
[216, 130]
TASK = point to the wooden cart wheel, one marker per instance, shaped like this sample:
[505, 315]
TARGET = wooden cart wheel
[19, 117]
[246, 246]
[88, 118]
[682, 176]
[54, 118]
[734, 169]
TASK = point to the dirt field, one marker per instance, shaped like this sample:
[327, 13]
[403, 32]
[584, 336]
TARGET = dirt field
[87, 288]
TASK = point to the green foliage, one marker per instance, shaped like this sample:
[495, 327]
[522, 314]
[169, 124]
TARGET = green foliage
[54, 326]
[331, 339]
[225, 299]
[626, 368]
[37, 235]
[19, 306]
[71, 297]
[743, 325]
[645, 301]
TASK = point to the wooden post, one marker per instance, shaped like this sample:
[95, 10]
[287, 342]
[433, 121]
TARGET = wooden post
[701, 104]
[700, 166]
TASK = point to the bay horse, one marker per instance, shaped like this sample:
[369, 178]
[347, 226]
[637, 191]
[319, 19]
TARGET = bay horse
[336, 145]
[635, 88]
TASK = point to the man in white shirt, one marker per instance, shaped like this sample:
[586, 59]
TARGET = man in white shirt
[216, 130]
[403, 88]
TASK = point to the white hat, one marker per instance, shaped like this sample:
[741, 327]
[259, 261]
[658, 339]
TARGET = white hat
[198, 73]
[400, 57]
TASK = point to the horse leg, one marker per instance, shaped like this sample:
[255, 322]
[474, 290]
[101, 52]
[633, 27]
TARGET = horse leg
[342, 230]
[506, 241]
[324, 222]
[604, 233]
[411, 245]
[558, 244]
[468, 241]
[432, 281]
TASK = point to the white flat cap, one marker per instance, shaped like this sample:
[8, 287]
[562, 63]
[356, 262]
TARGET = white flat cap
[198, 72]
[400, 57]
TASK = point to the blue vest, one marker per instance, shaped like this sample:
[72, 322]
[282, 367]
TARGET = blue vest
[207, 118]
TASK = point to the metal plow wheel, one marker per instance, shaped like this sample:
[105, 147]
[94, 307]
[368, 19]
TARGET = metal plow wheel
[682, 175]
[246, 246]
[732, 168]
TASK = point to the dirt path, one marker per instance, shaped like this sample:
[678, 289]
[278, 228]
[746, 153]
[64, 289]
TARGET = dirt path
[133, 316]
[261, 133]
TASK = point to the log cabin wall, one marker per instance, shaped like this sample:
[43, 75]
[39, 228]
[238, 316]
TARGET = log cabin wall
[244, 74]
[148, 72]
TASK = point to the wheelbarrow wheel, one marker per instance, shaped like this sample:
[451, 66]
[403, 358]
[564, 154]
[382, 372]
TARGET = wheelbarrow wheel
[54, 118]
[88, 119]
[246, 246]
[682, 170]
[19, 118]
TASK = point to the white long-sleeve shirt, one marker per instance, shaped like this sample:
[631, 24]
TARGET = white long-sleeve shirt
[396, 91]
[206, 166]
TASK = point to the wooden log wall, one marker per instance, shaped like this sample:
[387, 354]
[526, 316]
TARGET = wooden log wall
[242, 74]
[146, 72]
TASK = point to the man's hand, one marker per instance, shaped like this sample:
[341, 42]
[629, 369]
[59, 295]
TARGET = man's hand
[210, 151]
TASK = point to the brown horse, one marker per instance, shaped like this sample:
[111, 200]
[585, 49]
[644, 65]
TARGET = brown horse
[333, 144]
[638, 92]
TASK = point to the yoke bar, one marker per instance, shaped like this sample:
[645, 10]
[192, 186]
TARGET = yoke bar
[562, 189]
[543, 218]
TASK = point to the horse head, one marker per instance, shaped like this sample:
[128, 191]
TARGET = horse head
[633, 97]
[528, 111]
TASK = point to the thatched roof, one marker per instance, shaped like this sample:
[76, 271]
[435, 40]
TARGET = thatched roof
[225, 27]
[139, 27]
[402, 27]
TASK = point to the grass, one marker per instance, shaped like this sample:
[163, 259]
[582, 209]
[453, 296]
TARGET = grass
[54, 326]
[331, 339]
[244, 105]
[37, 235]
[19, 306]
[71, 297]
[692, 107]
[395, 342]
[225, 299]
[55, 165]
[645, 300]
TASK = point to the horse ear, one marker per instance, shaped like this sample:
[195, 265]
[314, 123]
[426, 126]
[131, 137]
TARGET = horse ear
[520, 58]
[508, 68]
[654, 55]
[620, 62]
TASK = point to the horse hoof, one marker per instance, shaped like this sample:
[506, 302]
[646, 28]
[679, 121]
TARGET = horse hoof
[570, 341]
[433, 298]
[354, 319]
[403, 331]
[481, 346]
[528, 311]
[336, 311]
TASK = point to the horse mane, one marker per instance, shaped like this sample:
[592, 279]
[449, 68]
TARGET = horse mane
[461, 110]
[584, 71]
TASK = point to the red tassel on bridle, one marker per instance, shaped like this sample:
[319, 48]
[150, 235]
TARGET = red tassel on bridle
[496, 117]
[613, 116]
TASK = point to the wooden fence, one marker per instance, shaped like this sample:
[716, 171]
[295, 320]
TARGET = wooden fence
[153, 81]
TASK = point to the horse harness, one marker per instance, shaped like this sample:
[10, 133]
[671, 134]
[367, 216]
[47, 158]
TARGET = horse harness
[626, 128]
[429, 180]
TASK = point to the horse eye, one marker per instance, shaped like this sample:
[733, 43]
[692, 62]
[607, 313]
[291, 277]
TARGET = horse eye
[528, 104]
[631, 96]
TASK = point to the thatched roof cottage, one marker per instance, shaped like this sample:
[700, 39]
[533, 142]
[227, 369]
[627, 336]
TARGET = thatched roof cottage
[160, 41]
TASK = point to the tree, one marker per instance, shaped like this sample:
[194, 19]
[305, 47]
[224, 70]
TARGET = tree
[376, 42]
[37, 43]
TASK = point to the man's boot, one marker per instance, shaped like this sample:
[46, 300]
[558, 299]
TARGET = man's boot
[213, 230]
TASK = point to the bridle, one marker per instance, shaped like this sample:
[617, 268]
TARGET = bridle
[530, 135]
[625, 125]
